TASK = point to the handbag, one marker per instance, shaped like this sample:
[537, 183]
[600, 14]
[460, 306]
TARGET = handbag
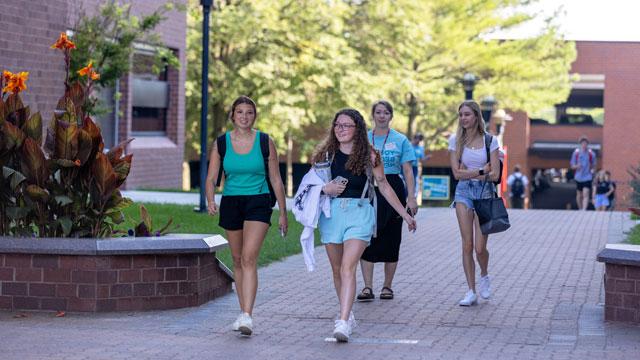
[492, 215]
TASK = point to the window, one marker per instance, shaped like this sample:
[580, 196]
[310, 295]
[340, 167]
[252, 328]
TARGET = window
[150, 97]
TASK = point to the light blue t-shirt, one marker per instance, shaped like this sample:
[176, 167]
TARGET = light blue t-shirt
[397, 150]
[587, 161]
[419, 153]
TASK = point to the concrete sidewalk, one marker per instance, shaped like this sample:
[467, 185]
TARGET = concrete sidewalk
[546, 304]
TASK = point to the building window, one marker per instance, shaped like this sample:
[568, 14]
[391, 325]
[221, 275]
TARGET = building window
[150, 97]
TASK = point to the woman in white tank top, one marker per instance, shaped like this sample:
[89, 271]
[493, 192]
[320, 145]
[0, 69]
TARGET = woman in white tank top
[475, 174]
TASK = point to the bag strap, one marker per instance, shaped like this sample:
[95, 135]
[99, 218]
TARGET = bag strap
[221, 143]
[264, 148]
[487, 145]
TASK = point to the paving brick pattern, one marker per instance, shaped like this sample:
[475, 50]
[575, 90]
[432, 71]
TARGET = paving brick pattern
[547, 304]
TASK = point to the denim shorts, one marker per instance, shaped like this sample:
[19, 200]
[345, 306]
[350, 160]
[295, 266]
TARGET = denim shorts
[601, 200]
[350, 219]
[469, 190]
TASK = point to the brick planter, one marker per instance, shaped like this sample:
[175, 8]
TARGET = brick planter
[621, 282]
[123, 274]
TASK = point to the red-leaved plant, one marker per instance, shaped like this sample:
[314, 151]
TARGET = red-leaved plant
[71, 187]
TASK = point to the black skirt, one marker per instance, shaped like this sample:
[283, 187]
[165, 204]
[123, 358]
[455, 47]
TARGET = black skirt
[385, 247]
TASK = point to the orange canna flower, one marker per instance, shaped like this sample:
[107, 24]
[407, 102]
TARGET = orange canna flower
[88, 71]
[63, 43]
[16, 83]
[7, 75]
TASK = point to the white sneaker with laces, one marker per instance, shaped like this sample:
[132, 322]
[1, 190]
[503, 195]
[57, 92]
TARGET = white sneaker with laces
[342, 331]
[469, 299]
[245, 324]
[352, 321]
[236, 324]
[485, 287]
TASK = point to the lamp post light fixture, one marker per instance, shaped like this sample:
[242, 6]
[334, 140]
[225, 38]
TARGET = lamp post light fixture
[206, 9]
[468, 82]
[487, 105]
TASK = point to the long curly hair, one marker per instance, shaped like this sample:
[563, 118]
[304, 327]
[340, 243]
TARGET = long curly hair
[360, 157]
[461, 134]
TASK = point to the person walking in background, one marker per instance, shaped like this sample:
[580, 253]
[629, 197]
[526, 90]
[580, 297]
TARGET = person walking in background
[602, 188]
[421, 158]
[612, 196]
[518, 188]
[475, 174]
[246, 204]
[397, 155]
[583, 161]
[348, 230]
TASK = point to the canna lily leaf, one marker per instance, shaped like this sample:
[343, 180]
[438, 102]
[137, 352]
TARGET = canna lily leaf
[37, 193]
[63, 200]
[33, 127]
[115, 153]
[13, 103]
[66, 163]
[96, 137]
[17, 212]
[15, 176]
[122, 169]
[146, 219]
[104, 176]
[66, 141]
[13, 136]
[85, 146]
[66, 224]
[33, 163]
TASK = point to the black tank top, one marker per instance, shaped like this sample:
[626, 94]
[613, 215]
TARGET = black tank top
[356, 183]
[602, 187]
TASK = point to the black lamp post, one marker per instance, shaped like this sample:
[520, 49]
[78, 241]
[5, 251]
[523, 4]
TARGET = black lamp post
[206, 8]
[468, 82]
[487, 105]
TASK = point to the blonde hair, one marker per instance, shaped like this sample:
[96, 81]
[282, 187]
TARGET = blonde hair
[461, 133]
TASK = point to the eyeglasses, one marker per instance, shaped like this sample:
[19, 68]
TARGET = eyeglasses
[343, 126]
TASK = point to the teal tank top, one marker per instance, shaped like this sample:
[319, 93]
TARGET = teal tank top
[244, 173]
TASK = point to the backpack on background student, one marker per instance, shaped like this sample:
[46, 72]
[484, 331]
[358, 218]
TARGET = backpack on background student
[517, 187]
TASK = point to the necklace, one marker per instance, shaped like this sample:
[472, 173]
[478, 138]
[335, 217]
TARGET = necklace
[373, 139]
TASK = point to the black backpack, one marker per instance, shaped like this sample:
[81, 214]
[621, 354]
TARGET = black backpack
[517, 187]
[487, 145]
[221, 143]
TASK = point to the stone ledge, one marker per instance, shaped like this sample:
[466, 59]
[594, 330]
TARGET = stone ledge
[620, 254]
[169, 244]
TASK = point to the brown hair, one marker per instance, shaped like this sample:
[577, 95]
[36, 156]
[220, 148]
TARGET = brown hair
[360, 157]
[242, 99]
[384, 103]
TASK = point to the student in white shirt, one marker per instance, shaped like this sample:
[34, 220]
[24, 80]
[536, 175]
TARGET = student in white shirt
[518, 186]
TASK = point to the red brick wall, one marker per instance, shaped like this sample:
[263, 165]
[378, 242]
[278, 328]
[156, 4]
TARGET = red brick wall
[622, 293]
[109, 283]
[568, 133]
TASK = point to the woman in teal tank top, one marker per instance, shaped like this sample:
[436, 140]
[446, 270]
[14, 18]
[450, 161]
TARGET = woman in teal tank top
[245, 207]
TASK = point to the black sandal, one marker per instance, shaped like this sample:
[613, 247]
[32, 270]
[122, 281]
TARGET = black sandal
[386, 295]
[366, 294]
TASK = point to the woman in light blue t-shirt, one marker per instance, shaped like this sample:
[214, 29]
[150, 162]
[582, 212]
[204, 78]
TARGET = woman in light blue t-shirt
[397, 155]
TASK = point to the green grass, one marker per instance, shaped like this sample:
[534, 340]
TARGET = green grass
[193, 191]
[633, 237]
[274, 248]
[634, 217]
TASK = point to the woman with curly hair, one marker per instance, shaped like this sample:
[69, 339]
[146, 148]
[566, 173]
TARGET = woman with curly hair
[348, 230]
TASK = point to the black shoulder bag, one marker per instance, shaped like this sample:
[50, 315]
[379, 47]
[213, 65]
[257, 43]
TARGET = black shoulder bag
[492, 215]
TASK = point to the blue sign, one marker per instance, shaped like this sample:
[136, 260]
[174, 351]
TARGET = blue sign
[435, 187]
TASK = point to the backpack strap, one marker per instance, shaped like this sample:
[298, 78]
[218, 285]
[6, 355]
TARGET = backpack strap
[487, 145]
[221, 144]
[264, 149]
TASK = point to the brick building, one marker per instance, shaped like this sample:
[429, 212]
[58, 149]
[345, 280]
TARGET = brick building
[608, 79]
[152, 106]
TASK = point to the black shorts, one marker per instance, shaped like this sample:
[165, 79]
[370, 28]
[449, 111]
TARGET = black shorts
[583, 184]
[236, 209]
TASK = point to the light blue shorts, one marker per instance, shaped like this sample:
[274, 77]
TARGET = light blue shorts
[469, 190]
[601, 200]
[350, 219]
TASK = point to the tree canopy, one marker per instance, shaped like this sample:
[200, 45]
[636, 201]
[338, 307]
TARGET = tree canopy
[302, 60]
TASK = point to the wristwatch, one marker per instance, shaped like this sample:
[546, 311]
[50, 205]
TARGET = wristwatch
[481, 172]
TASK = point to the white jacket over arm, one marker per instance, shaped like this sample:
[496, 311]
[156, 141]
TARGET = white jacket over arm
[309, 203]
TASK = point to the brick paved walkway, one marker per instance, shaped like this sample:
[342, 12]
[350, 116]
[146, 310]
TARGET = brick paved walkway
[546, 304]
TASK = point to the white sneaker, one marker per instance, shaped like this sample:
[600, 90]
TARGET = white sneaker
[469, 299]
[245, 324]
[236, 324]
[485, 287]
[342, 331]
[352, 320]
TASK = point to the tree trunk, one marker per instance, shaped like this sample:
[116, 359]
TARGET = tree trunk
[412, 103]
